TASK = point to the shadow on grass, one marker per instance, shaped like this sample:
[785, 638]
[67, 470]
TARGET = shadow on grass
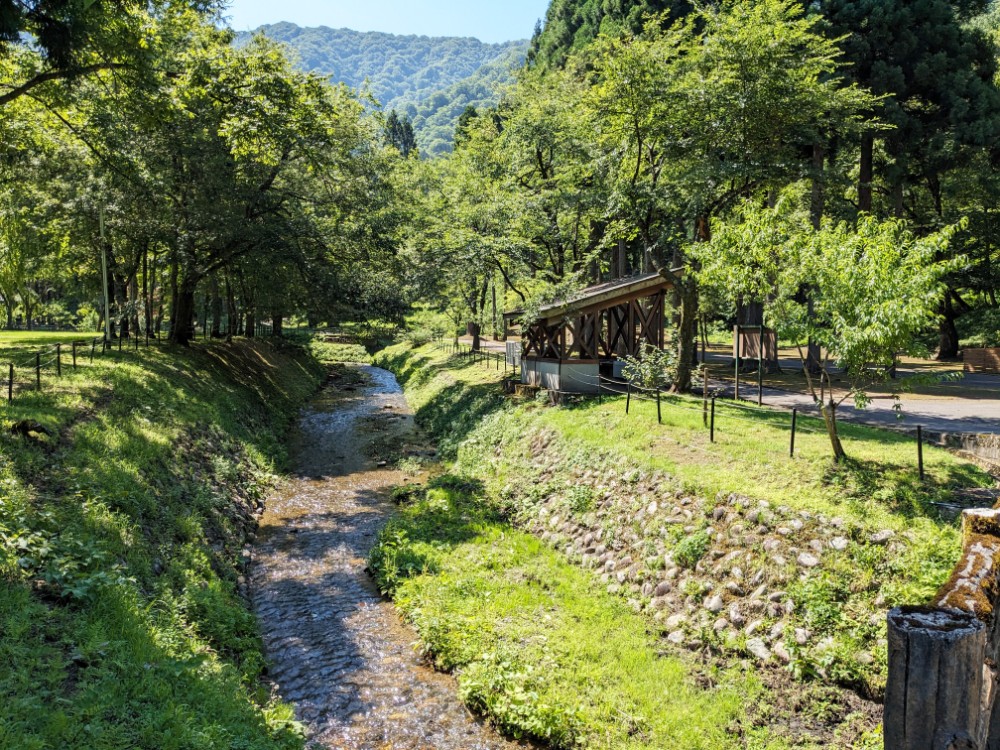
[131, 539]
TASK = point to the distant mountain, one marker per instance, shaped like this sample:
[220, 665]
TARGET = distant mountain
[432, 79]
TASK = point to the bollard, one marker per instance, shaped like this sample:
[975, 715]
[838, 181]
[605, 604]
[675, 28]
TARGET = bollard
[920, 451]
[711, 434]
[795, 415]
[58, 360]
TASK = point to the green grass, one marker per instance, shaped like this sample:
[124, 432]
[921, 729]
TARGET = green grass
[122, 525]
[594, 468]
[28, 339]
[536, 646]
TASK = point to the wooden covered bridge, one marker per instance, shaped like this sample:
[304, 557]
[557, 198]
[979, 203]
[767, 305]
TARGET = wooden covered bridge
[574, 341]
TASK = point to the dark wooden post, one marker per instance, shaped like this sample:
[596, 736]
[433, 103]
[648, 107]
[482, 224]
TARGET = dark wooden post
[795, 416]
[920, 451]
[10, 383]
[628, 398]
[93, 345]
[935, 683]
[74, 355]
[38, 371]
[659, 416]
[711, 434]
[119, 341]
[704, 396]
[59, 360]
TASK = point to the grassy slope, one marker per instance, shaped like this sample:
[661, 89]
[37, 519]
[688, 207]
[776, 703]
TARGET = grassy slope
[121, 533]
[560, 472]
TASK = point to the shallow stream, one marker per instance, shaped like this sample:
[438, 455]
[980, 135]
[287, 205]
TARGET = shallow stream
[337, 649]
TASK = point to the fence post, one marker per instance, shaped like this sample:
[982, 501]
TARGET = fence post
[10, 383]
[704, 396]
[935, 682]
[93, 345]
[795, 414]
[38, 371]
[58, 360]
[920, 451]
[74, 355]
[628, 398]
[659, 416]
[119, 341]
[711, 434]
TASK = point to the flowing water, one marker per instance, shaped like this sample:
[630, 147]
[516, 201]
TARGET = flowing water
[337, 650]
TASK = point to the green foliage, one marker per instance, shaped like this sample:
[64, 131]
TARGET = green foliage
[654, 367]
[431, 80]
[691, 549]
[527, 633]
[119, 580]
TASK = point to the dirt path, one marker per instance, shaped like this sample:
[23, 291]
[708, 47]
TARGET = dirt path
[337, 649]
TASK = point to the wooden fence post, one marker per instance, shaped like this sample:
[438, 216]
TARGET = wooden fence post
[920, 451]
[10, 383]
[74, 355]
[38, 371]
[711, 434]
[628, 398]
[659, 415]
[59, 360]
[943, 683]
[795, 419]
[935, 683]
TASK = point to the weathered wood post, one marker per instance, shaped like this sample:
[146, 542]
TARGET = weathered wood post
[628, 398]
[795, 419]
[10, 383]
[942, 684]
[74, 355]
[38, 371]
[920, 451]
[935, 684]
[659, 416]
[59, 360]
[711, 434]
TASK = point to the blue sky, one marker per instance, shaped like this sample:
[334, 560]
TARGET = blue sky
[489, 20]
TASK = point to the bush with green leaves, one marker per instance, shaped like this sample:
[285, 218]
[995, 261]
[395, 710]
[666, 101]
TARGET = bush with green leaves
[654, 367]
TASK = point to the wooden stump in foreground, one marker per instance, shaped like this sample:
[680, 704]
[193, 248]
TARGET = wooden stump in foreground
[934, 693]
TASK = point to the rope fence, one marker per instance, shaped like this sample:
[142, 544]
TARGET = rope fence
[24, 372]
[708, 406]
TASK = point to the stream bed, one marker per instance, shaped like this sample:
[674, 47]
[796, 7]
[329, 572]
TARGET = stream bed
[336, 648]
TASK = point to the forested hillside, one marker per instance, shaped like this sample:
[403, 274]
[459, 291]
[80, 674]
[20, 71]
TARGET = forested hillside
[432, 79]
[570, 25]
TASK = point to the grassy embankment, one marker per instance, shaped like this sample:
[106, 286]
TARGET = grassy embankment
[128, 494]
[736, 598]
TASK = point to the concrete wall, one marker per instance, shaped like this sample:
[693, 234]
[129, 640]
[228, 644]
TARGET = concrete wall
[570, 377]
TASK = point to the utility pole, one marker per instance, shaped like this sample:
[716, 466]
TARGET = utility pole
[104, 278]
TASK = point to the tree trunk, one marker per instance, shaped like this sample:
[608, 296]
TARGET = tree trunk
[251, 326]
[216, 308]
[474, 331]
[865, 174]
[947, 331]
[277, 324]
[829, 412]
[182, 323]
